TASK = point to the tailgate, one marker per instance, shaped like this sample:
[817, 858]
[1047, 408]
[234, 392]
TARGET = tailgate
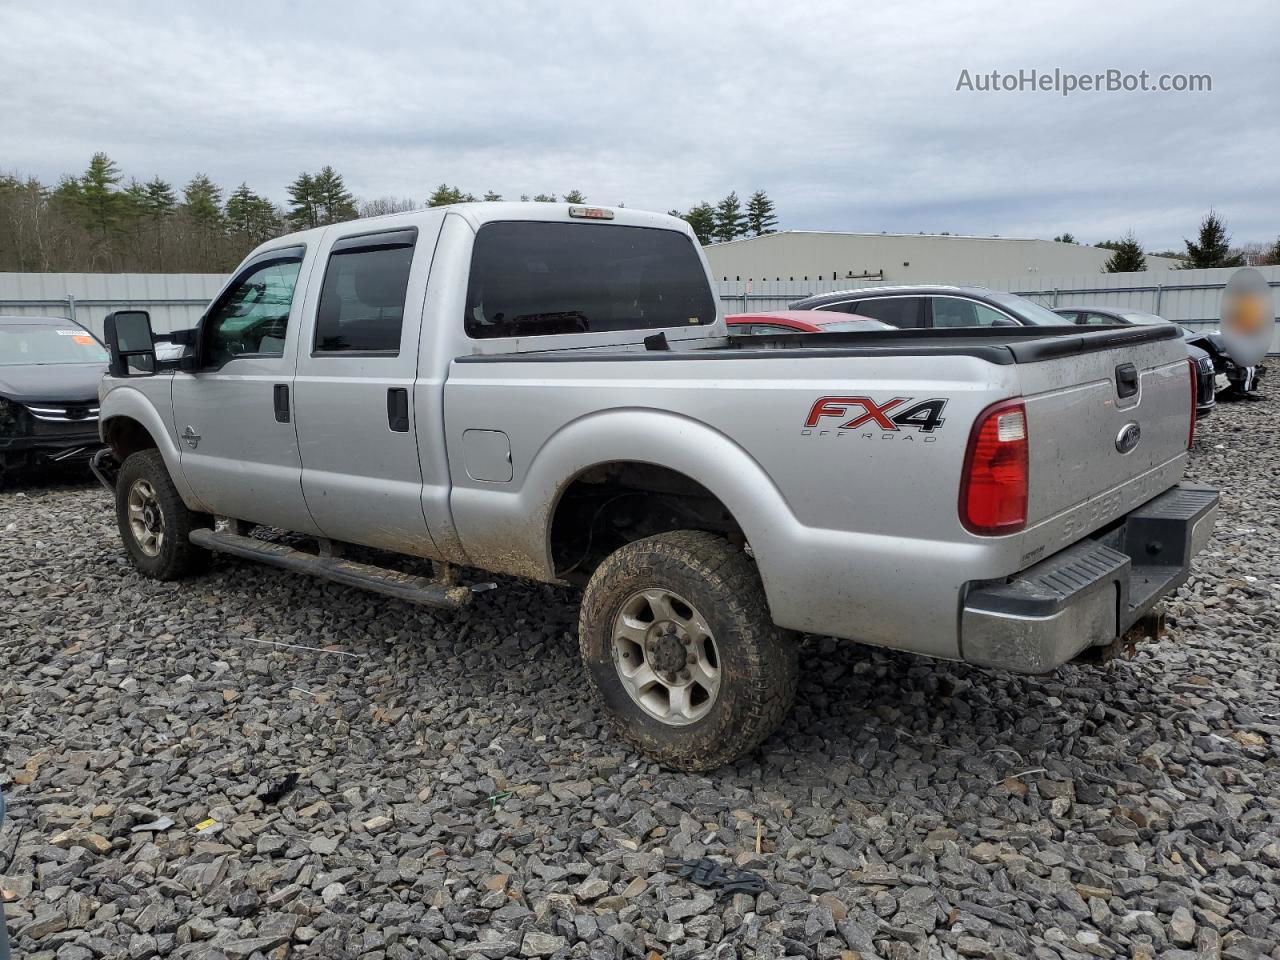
[1107, 430]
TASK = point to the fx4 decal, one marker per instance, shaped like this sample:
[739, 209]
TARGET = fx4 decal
[889, 416]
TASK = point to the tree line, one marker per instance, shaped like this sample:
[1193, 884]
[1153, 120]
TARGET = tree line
[1211, 248]
[728, 220]
[100, 222]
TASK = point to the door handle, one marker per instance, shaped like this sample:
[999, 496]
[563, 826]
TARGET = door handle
[398, 409]
[1126, 380]
[281, 397]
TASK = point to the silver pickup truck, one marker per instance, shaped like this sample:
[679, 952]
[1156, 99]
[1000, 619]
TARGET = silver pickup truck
[550, 392]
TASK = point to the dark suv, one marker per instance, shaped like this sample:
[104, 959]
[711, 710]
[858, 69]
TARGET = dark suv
[49, 373]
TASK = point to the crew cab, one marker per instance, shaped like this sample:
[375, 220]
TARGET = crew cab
[550, 392]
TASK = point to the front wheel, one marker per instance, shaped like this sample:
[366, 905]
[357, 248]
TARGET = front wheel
[154, 522]
[681, 652]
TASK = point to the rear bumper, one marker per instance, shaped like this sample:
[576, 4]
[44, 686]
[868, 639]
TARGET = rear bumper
[1091, 593]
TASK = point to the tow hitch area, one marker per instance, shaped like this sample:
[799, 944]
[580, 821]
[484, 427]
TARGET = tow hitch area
[1147, 627]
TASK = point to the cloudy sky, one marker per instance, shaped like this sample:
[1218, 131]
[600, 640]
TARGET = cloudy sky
[847, 114]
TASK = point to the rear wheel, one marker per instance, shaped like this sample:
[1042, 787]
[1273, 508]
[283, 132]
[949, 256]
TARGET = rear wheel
[154, 522]
[681, 652]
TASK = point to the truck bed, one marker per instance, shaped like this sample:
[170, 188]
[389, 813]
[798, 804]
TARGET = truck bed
[1000, 345]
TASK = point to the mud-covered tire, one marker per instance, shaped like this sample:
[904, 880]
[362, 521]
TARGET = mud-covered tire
[174, 556]
[757, 662]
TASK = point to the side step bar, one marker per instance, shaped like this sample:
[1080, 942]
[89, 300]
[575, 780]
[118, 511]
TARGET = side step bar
[392, 583]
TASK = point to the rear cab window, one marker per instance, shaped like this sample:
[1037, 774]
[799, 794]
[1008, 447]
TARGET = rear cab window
[534, 278]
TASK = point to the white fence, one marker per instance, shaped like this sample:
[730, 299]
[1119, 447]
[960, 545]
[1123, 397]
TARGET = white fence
[176, 300]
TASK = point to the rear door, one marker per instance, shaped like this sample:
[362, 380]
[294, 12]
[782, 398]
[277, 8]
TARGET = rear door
[357, 367]
[232, 418]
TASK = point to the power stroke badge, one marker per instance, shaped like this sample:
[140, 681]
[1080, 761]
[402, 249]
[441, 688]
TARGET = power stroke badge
[867, 417]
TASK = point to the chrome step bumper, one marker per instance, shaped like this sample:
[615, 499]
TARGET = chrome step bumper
[1091, 593]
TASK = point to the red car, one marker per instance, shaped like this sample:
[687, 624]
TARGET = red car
[800, 321]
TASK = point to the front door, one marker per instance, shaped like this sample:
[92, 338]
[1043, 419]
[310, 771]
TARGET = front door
[355, 381]
[233, 417]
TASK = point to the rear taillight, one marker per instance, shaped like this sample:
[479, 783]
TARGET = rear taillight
[1195, 390]
[993, 488]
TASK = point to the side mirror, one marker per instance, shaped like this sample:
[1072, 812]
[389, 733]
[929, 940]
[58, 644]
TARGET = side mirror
[129, 340]
[1004, 322]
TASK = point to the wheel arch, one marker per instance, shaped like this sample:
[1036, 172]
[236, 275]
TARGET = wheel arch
[130, 422]
[516, 531]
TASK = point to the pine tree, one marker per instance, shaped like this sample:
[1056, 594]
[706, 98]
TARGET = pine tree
[731, 222]
[702, 219]
[574, 196]
[760, 216]
[160, 200]
[303, 212]
[1127, 258]
[445, 195]
[1213, 248]
[544, 198]
[251, 218]
[491, 196]
[334, 202]
[202, 202]
[102, 203]
[1064, 238]
[1271, 257]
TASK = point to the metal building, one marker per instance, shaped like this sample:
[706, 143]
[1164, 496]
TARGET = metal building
[807, 255]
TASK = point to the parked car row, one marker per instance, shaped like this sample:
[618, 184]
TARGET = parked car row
[966, 307]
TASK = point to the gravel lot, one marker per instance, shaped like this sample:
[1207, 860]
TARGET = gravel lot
[456, 794]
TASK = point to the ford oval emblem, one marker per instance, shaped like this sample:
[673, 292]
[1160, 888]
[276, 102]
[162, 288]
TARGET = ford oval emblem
[1128, 438]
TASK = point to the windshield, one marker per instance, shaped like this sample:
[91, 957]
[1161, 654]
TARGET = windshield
[41, 343]
[1029, 310]
[1143, 319]
[537, 279]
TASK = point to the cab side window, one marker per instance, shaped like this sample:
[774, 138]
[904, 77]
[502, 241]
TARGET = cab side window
[362, 300]
[904, 312]
[252, 318]
[955, 312]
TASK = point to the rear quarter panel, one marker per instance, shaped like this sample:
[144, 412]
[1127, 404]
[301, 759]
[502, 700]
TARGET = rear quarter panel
[855, 531]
